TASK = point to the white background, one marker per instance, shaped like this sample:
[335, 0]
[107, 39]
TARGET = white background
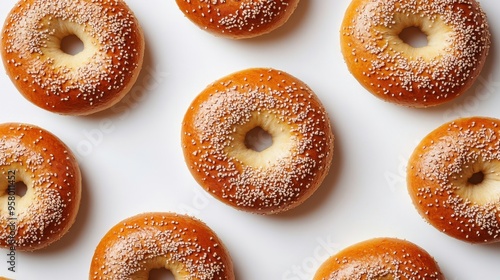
[132, 162]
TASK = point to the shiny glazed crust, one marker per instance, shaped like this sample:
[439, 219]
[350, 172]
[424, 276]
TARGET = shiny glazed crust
[441, 180]
[271, 181]
[182, 244]
[90, 81]
[380, 258]
[47, 167]
[458, 44]
[238, 19]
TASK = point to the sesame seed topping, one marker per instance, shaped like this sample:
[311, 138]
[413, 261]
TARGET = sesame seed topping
[86, 82]
[459, 41]
[440, 179]
[272, 180]
[147, 241]
[242, 19]
[381, 258]
[51, 202]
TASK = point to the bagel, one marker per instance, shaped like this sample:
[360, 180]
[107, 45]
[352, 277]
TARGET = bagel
[453, 178]
[277, 178]
[458, 44]
[380, 258]
[238, 19]
[81, 84]
[40, 160]
[182, 244]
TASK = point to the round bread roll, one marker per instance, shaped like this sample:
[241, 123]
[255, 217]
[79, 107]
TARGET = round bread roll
[182, 244]
[453, 179]
[458, 44]
[238, 19]
[272, 180]
[81, 84]
[380, 258]
[47, 167]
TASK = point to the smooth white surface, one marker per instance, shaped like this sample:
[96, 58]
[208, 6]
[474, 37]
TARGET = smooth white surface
[132, 162]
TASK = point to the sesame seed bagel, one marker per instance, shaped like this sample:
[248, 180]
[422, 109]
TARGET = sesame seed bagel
[270, 181]
[48, 209]
[458, 44]
[238, 19]
[81, 84]
[182, 244]
[380, 258]
[453, 179]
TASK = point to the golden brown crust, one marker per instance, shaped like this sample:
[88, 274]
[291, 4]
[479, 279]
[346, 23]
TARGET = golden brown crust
[88, 82]
[439, 179]
[47, 167]
[380, 258]
[238, 19]
[459, 41]
[182, 244]
[278, 178]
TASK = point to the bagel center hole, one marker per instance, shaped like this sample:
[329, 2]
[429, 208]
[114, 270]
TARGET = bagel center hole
[20, 188]
[161, 274]
[72, 45]
[258, 139]
[414, 37]
[476, 178]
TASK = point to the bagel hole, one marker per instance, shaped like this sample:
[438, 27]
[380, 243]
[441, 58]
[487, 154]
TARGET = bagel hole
[258, 139]
[21, 188]
[414, 37]
[71, 45]
[161, 274]
[476, 178]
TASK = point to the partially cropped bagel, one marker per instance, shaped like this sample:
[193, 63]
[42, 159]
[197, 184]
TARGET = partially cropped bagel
[49, 170]
[179, 243]
[381, 259]
[454, 179]
[238, 19]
